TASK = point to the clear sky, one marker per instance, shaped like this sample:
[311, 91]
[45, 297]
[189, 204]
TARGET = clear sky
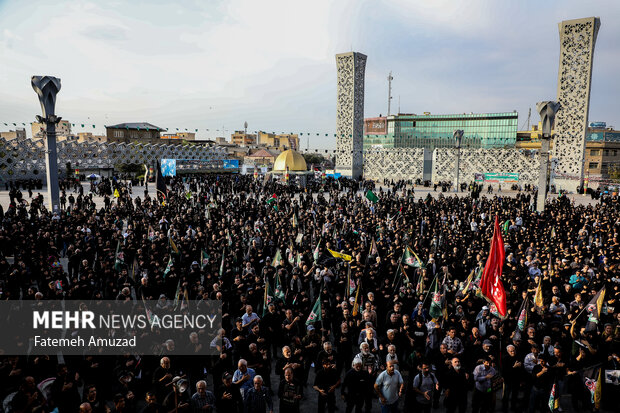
[213, 64]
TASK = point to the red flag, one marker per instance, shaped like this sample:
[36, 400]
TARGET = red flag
[491, 284]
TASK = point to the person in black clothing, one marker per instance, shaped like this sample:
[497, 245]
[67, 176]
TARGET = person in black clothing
[290, 393]
[291, 360]
[357, 388]
[228, 397]
[65, 390]
[542, 381]
[512, 372]
[326, 382]
[456, 384]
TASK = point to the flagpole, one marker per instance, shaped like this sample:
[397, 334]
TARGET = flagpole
[429, 289]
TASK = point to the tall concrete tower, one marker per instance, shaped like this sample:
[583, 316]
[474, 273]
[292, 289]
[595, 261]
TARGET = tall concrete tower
[577, 40]
[350, 118]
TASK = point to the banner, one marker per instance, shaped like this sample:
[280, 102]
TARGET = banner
[169, 167]
[497, 177]
[230, 164]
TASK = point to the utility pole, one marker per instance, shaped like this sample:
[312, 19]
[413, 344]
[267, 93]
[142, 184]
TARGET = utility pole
[390, 78]
[398, 104]
[529, 117]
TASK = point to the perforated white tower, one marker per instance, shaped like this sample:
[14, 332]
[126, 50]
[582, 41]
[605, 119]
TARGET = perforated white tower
[577, 40]
[350, 117]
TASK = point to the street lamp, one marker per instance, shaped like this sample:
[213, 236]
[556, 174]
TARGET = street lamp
[458, 135]
[47, 87]
[547, 111]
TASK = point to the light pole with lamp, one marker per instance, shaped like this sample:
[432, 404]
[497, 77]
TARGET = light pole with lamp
[458, 135]
[47, 87]
[547, 111]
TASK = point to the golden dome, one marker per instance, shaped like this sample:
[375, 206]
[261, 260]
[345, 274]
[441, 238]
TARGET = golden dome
[294, 160]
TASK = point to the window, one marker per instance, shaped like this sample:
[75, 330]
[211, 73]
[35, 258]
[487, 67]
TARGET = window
[595, 152]
[593, 165]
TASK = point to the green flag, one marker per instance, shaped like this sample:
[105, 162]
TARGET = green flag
[315, 314]
[291, 255]
[176, 295]
[168, 267]
[506, 226]
[278, 293]
[316, 252]
[188, 195]
[435, 310]
[411, 259]
[553, 399]
[268, 297]
[204, 259]
[371, 196]
[272, 201]
[277, 259]
[120, 257]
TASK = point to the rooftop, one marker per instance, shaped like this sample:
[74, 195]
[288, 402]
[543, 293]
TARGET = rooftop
[136, 125]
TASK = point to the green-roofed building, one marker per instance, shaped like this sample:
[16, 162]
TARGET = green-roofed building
[481, 130]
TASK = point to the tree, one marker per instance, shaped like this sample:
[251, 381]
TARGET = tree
[314, 158]
[129, 167]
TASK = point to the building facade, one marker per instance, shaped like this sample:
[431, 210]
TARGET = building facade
[134, 133]
[25, 158]
[242, 138]
[185, 136]
[280, 142]
[480, 130]
[18, 133]
[602, 151]
[63, 128]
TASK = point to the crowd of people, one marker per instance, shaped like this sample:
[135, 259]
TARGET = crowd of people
[328, 295]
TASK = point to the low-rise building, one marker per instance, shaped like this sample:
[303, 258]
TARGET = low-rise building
[63, 128]
[260, 157]
[243, 138]
[18, 133]
[141, 132]
[186, 136]
[280, 142]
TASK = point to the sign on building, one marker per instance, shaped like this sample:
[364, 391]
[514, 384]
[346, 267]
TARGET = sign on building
[497, 177]
[169, 167]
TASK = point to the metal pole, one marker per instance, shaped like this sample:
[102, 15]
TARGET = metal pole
[47, 87]
[390, 78]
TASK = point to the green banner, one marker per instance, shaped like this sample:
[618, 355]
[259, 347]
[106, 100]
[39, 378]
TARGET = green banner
[497, 177]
